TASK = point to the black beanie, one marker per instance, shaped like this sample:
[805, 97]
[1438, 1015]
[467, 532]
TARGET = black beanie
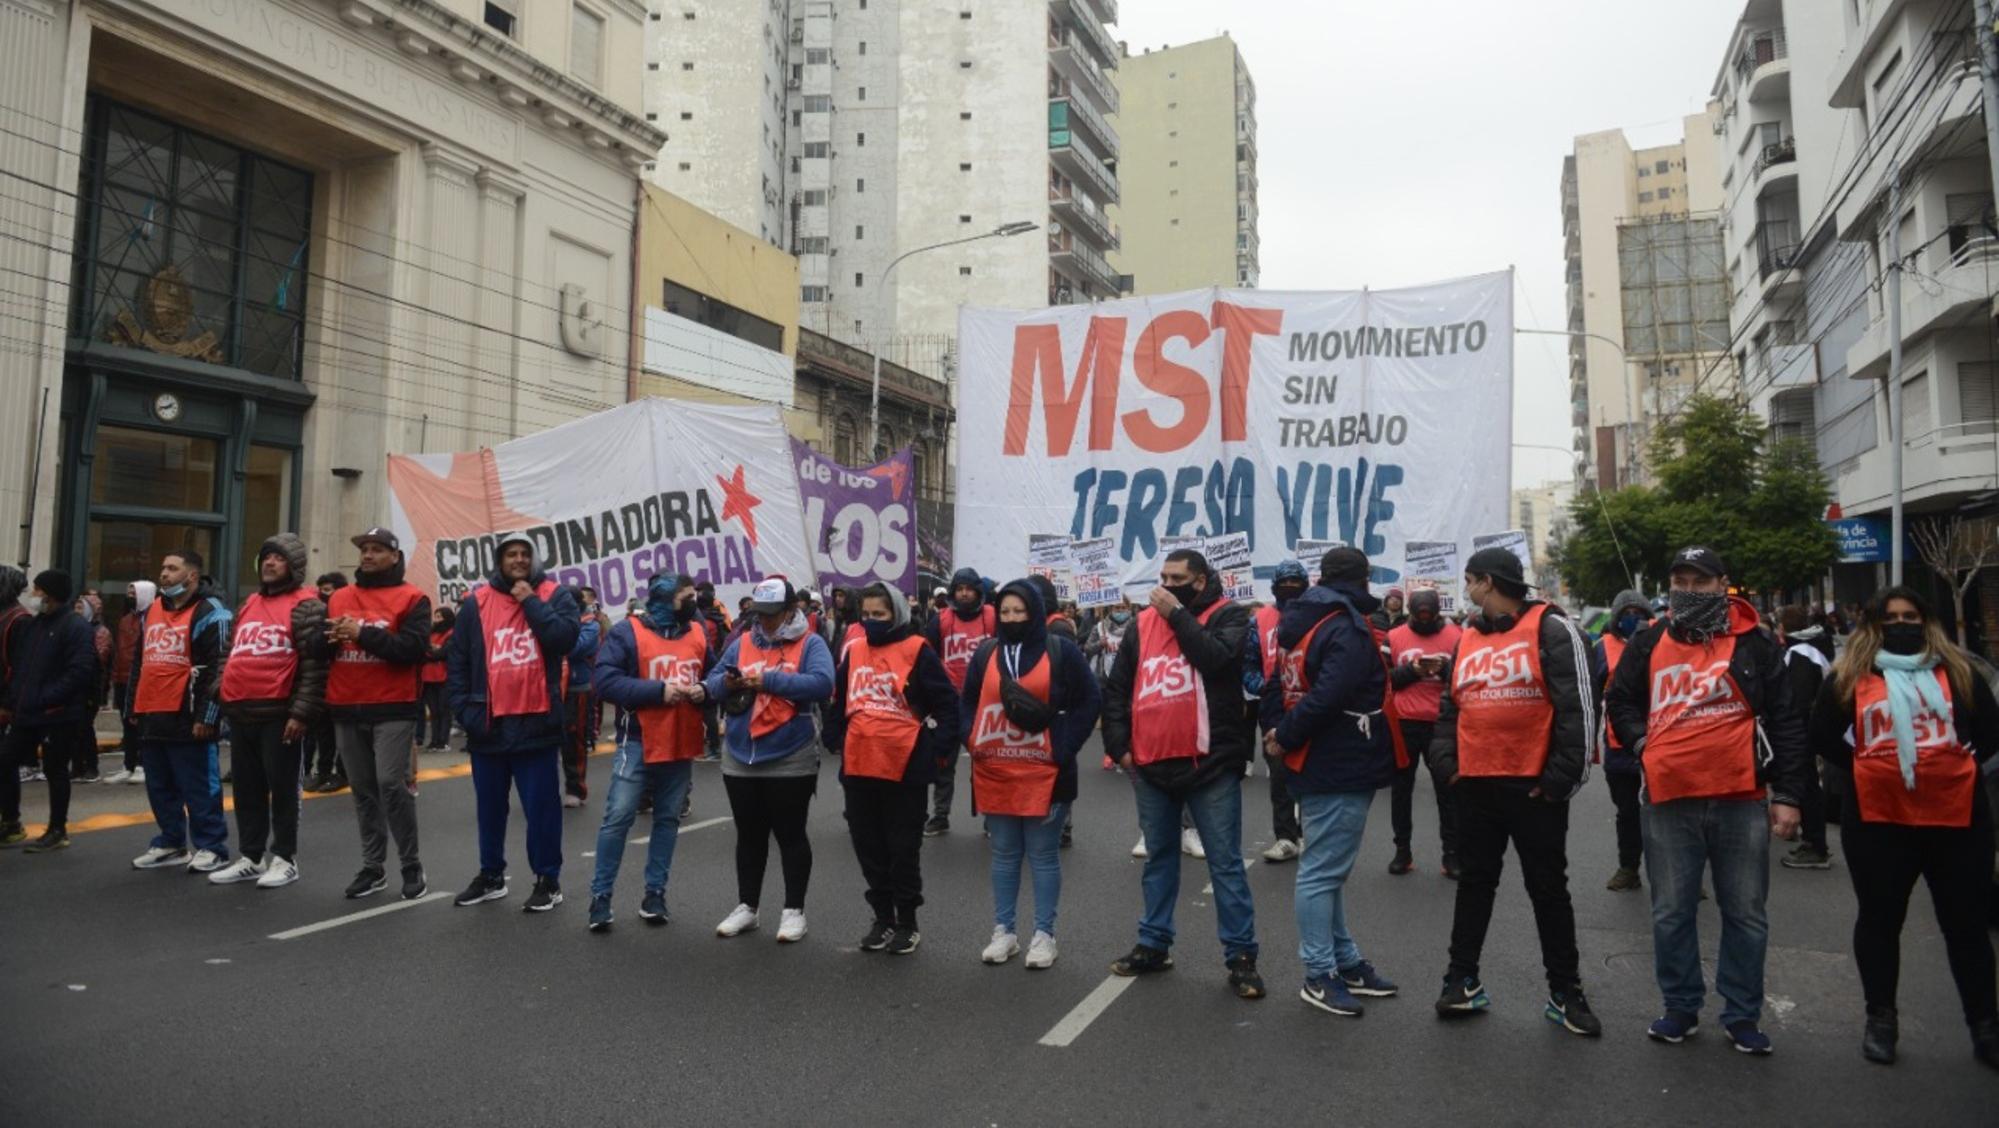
[56, 586]
[1343, 565]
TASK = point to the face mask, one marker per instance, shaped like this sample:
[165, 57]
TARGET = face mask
[174, 592]
[1287, 593]
[1013, 632]
[1699, 614]
[968, 606]
[705, 600]
[1120, 616]
[1185, 593]
[1425, 623]
[1627, 625]
[1904, 638]
[32, 604]
[877, 630]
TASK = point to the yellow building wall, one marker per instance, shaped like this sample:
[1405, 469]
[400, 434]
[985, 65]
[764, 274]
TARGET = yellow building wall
[1177, 167]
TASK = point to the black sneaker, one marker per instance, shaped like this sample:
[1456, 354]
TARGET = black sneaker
[1068, 837]
[487, 886]
[878, 936]
[652, 907]
[1451, 866]
[414, 885]
[367, 883]
[904, 941]
[937, 825]
[49, 840]
[600, 913]
[12, 833]
[1403, 861]
[1142, 960]
[1570, 1010]
[1243, 978]
[1462, 997]
[547, 894]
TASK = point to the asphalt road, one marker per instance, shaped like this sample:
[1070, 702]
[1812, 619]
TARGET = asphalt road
[156, 998]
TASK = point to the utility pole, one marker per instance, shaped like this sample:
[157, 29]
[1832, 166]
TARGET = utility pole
[1895, 370]
[1988, 71]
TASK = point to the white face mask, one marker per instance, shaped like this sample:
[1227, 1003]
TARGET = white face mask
[32, 604]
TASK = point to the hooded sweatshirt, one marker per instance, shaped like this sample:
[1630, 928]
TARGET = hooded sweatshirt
[1757, 668]
[208, 651]
[792, 748]
[927, 690]
[555, 624]
[1215, 651]
[1072, 690]
[1339, 721]
[615, 675]
[1616, 757]
[307, 702]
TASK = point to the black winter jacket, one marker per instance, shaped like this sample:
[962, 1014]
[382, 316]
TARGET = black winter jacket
[1072, 689]
[1339, 720]
[555, 624]
[930, 697]
[1566, 670]
[407, 645]
[1215, 652]
[1829, 735]
[307, 703]
[54, 659]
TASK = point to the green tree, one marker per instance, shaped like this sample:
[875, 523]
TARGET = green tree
[1785, 544]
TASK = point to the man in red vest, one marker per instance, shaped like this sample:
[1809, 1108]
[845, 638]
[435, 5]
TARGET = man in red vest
[377, 635]
[273, 690]
[1420, 649]
[1628, 615]
[1704, 702]
[955, 634]
[1513, 737]
[504, 679]
[1260, 659]
[176, 706]
[1173, 717]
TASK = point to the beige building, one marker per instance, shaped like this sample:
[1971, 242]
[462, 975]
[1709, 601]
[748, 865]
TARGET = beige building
[1188, 168]
[1542, 512]
[1647, 289]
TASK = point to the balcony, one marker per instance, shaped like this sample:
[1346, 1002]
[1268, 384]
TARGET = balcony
[1777, 153]
[1075, 65]
[1931, 301]
[1082, 166]
[1777, 248]
[1081, 261]
[1076, 213]
[1070, 113]
[1764, 68]
[1106, 10]
[1087, 24]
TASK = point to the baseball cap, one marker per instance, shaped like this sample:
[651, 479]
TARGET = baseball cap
[1499, 563]
[1700, 558]
[771, 595]
[378, 535]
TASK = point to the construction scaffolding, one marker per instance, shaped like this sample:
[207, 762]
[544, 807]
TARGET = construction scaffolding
[1675, 294]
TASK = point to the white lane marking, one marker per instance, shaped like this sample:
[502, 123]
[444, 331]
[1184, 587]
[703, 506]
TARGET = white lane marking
[350, 918]
[1094, 1004]
[1247, 862]
[688, 829]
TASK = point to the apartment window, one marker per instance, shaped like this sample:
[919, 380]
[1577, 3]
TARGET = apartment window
[817, 56]
[864, 47]
[687, 115]
[687, 66]
[687, 15]
[964, 64]
[1970, 217]
[815, 197]
[798, 72]
[794, 164]
[859, 280]
[812, 245]
[1662, 167]
[1172, 105]
[812, 293]
[818, 103]
[860, 140]
[652, 66]
[964, 219]
[817, 149]
[1644, 171]
[795, 116]
[586, 44]
[1172, 164]
[685, 167]
[964, 166]
[964, 15]
[965, 272]
[1978, 396]
[1665, 191]
[860, 232]
[964, 115]
[652, 117]
[503, 16]
[1173, 191]
[860, 184]
[1644, 197]
[1173, 223]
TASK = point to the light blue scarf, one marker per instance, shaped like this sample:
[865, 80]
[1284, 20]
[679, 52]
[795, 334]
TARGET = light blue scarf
[1911, 686]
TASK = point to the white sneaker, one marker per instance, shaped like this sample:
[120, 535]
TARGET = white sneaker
[280, 872]
[38, 777]
[742, 920]
[1138, 851]
[160, 857]
[1005, 946]
[119, 776]
[1190, 843]
[242, 869]
[27, 775]
[138, 776]
[1282, 850]
[205, 861]
[1041, 951]
[791, 926]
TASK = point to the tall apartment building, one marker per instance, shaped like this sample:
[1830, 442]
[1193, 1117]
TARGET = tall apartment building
[1647, 298]
[903, 125]
[1188, 197]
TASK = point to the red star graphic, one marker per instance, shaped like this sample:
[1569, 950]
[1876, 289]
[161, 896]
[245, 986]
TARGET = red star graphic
[467, 501]
[893, 472]
[738, 501]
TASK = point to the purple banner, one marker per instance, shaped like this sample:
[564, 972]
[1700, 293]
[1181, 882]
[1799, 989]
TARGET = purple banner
[862, 522]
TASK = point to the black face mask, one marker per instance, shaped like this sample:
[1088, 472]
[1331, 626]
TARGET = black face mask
[1013, 632]
[705, 600]
[1425, 623]
[1287, 593]
[1904, 638]
[1185, 593]
[877, 630]
[968, 605]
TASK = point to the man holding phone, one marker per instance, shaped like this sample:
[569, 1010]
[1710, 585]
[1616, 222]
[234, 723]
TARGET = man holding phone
[1420, 650]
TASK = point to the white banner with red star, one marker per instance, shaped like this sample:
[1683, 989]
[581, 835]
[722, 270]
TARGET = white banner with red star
[611, 499]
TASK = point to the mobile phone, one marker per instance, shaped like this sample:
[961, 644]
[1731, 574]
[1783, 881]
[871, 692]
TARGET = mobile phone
[732, 672]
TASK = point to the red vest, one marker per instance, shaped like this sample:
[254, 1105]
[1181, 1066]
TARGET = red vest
[1297, 682]
[1946, 775]
[262, 661]
[356, 676]
[961, 639]
[1170, 701]
[770, 712]
[1613, 653]
[166, 664]
[881, 729]
[434, 668]
[516, 669]
[1700, 738]
[1505, 718]
[674, 732]
[1266, 640]
[1013, 772]
[1420, 699]
[853, 634]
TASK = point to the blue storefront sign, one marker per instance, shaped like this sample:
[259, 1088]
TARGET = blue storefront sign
[1862, 540]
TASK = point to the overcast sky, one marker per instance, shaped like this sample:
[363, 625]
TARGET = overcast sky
[1400, 143]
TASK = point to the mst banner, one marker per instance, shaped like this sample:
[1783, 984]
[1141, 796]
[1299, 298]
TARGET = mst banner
[1372, 418]
[608, 500]
[863, 522]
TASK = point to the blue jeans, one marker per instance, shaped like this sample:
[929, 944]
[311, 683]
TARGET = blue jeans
[631, 779]
[1217, 813]
[538, 778]
[184, 786]
[1333, 824]
[1733, 837]
[1041, 841]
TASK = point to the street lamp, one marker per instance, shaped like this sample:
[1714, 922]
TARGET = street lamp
[1018, 227]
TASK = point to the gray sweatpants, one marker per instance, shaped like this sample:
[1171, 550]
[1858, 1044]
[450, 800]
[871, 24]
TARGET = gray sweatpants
[377, 757]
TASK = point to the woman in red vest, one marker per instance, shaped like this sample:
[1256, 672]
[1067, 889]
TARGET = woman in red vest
[955, 634]
[1028, 704]
[273, 690]
[1906, 721]
[437, 712]
[894, 717]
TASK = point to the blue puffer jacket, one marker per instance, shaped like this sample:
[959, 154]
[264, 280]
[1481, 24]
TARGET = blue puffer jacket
[804, 687]
[555, 624]
[1343, 665]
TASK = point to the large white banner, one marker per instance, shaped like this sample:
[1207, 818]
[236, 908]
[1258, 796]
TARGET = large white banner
[611, 499]
[1371, 418]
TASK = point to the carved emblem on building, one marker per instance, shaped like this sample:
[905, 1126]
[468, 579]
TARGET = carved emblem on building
[168, 308]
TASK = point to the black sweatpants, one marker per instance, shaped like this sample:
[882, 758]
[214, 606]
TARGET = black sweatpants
[266, 770]
[1884, 861]
[1624, 796]
[1402, 796]
[433, 729]
[128, 739]
[767, 807]
[885, 818]
[57, 744]
[1812, 809]
[324, 756]
[1492, 813]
